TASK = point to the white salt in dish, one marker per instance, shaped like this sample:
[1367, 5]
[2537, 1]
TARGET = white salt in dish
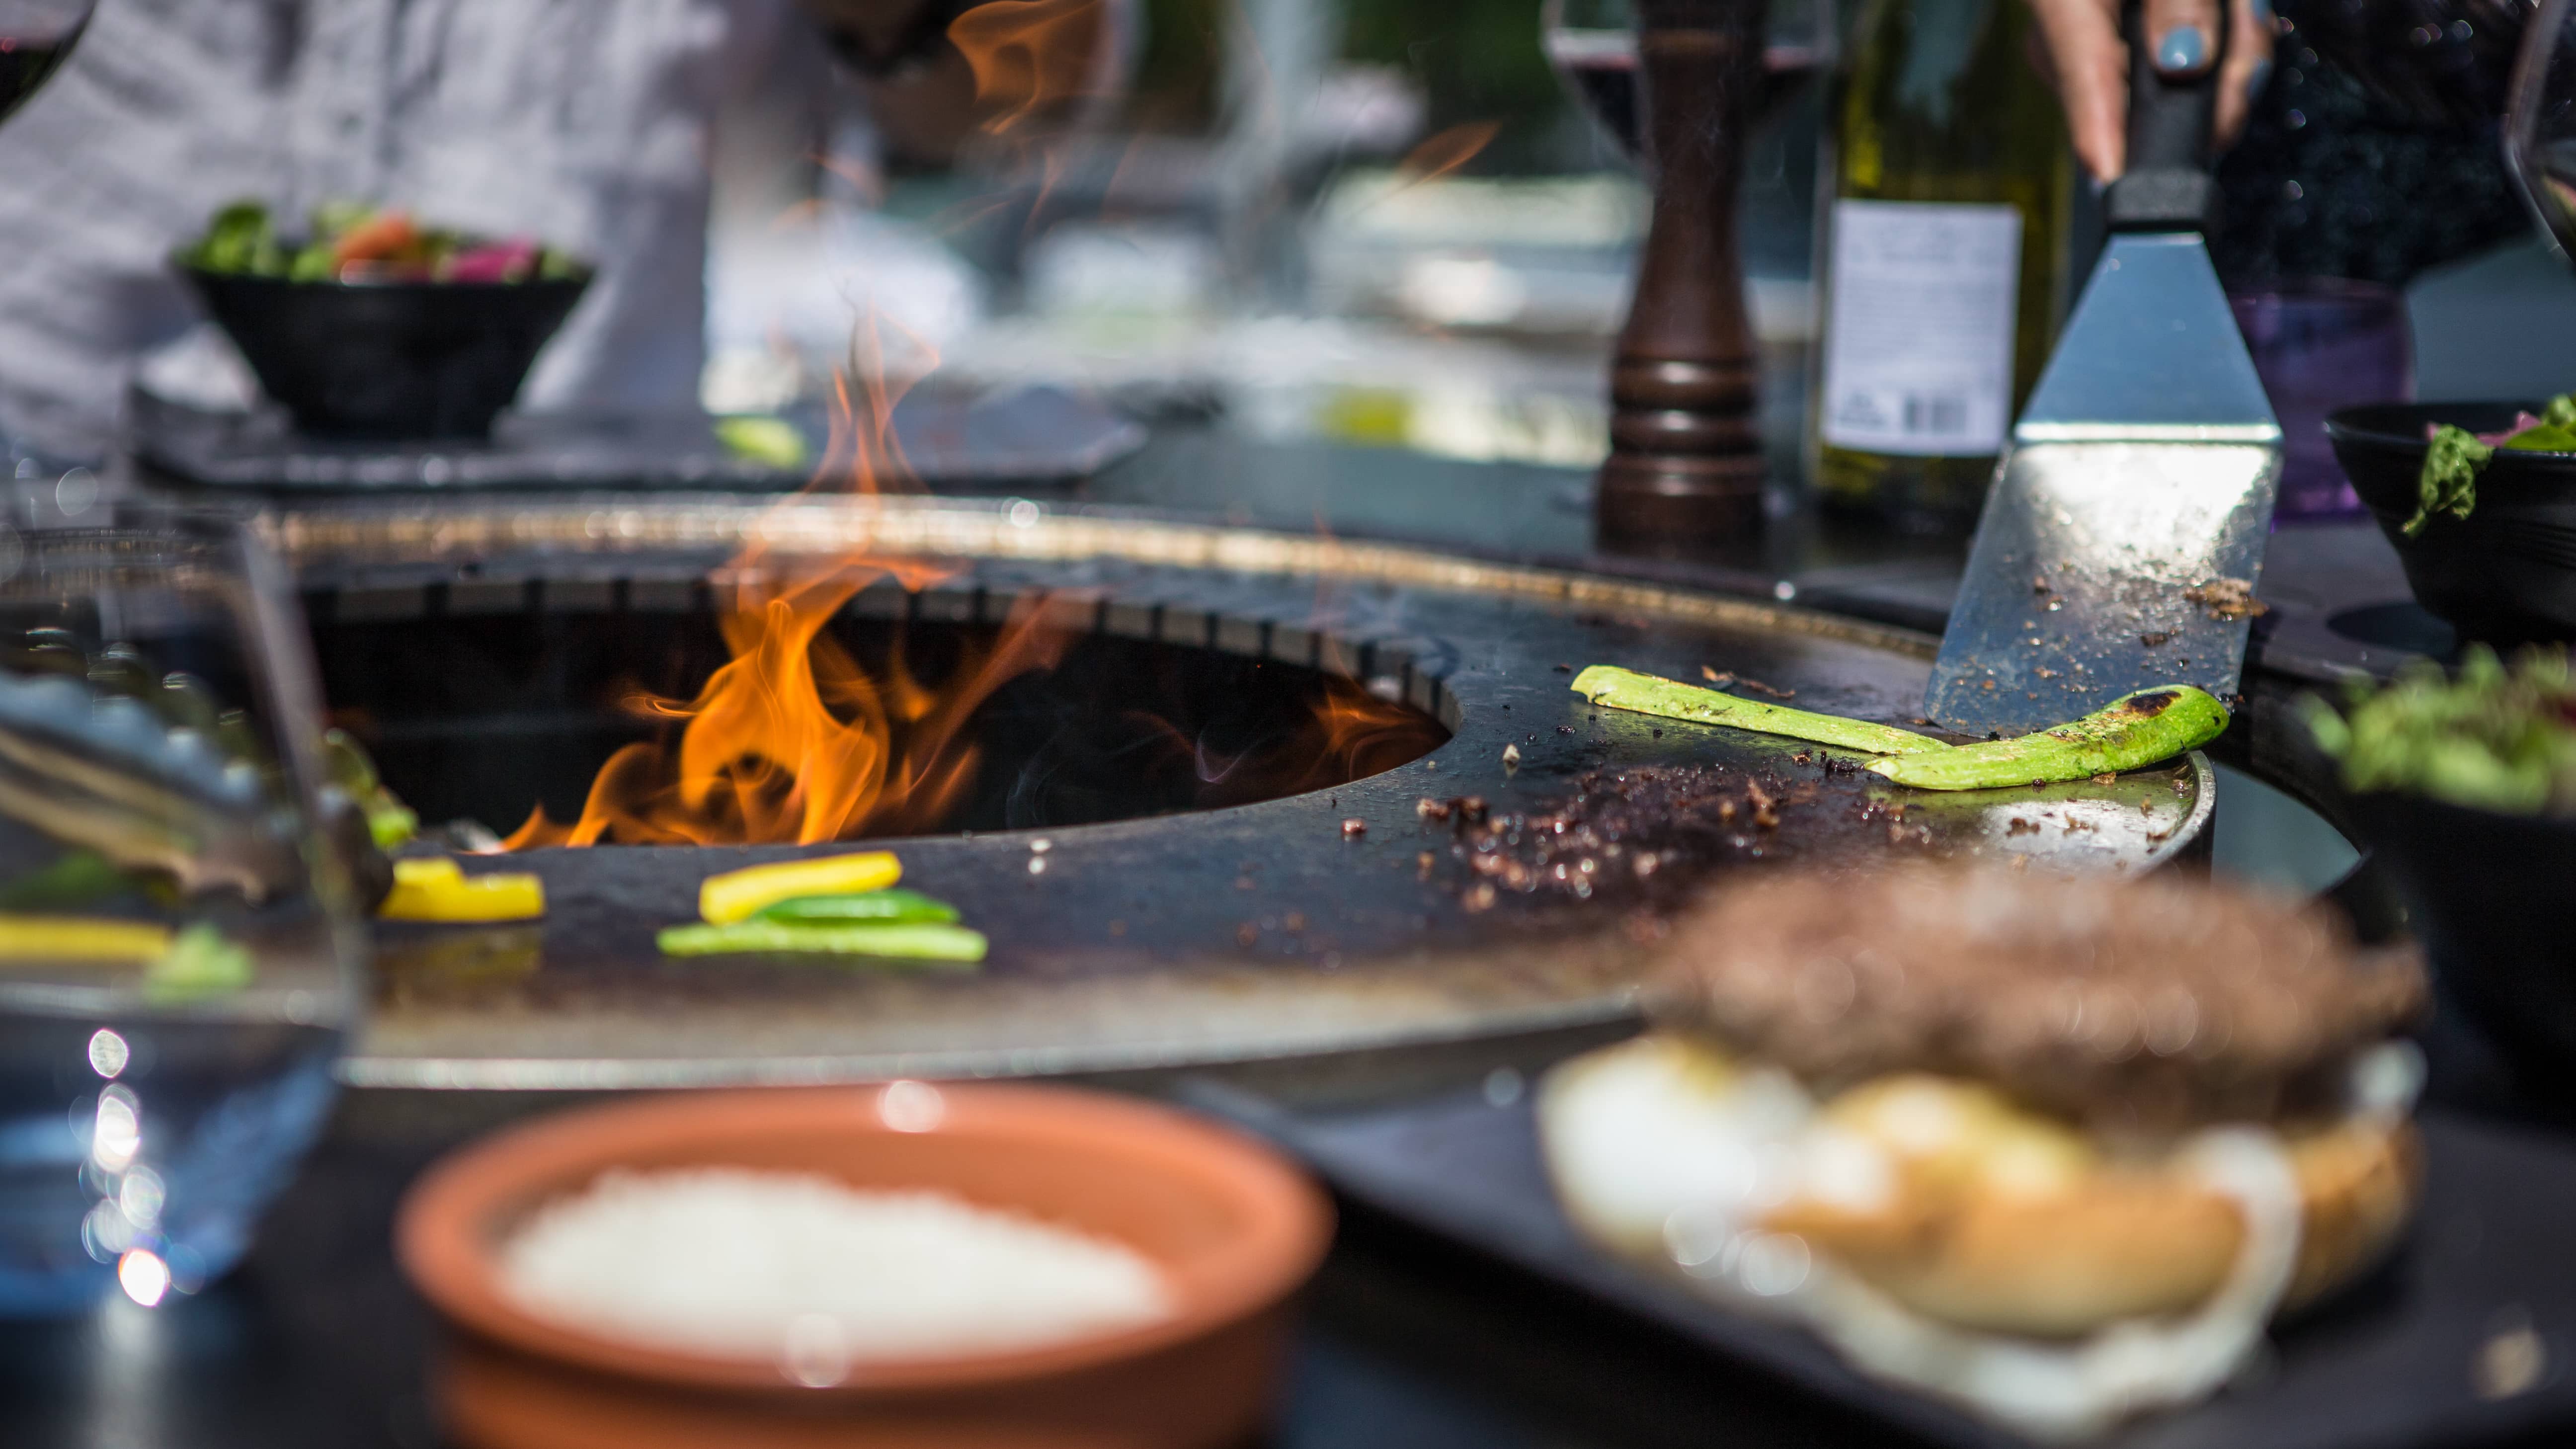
[802, 1270]
[1229, 1227]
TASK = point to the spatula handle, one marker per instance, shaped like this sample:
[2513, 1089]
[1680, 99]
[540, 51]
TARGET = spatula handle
[2167, 186]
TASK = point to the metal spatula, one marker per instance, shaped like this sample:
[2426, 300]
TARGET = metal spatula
[2142, 471]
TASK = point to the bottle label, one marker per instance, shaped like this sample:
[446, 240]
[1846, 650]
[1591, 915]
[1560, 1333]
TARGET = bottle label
[1919, 352]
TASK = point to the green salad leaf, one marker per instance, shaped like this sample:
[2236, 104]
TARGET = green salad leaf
[240, 238]
[2449, 480]
[2491, 737]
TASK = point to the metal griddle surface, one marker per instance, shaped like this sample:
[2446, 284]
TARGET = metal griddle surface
[1257, 931]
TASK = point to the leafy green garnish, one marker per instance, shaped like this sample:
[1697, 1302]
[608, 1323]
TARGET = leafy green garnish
[2449, 480]
[2491, 738]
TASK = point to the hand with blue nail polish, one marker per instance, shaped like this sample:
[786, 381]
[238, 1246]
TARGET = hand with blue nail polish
[2182, 50]
[2085, 58]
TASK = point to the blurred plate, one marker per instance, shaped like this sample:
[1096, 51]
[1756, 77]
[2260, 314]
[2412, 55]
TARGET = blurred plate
[2414, 1355]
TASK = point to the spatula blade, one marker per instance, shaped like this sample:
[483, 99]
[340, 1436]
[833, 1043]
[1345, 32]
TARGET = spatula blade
[2144, 467]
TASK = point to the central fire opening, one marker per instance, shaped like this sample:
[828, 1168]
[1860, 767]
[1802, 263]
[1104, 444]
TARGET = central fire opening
[1058, 712]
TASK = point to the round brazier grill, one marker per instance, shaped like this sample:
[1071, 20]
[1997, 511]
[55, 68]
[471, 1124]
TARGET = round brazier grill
[1264, 929]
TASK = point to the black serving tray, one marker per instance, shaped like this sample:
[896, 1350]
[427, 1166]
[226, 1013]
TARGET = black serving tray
[2393, 1361]
[1019, 437]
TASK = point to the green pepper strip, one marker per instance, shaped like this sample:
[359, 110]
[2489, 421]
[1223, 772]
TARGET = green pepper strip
[927, 941]
[2131, 731]
[1649, 694]
[891, 906]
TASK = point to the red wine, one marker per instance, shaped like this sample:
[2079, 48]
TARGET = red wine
[26, 63]
[1601, 65]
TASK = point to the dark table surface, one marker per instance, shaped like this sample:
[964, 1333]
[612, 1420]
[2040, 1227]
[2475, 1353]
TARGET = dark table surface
[1410, 1340]
[316, 1341]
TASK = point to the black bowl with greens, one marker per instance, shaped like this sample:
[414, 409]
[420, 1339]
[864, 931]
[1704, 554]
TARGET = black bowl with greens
[2463, 787]
[373, 327]
[2490, 545]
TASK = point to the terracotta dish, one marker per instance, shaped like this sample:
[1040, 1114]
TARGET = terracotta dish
[1234, 1228]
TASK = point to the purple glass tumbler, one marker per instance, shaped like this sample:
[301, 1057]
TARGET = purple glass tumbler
[2321, 343]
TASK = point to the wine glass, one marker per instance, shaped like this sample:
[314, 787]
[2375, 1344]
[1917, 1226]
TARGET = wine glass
[179, 950]
[2540, 123]
[35, 35]
[1592, 44]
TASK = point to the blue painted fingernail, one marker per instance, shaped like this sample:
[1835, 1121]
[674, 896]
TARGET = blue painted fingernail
[2263, 11]
[2183, 48]
[2261, 77]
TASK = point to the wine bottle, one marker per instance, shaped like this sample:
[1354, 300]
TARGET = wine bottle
[1942, 256]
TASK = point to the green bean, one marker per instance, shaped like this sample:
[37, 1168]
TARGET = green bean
[2133, 730]
[1672, 699]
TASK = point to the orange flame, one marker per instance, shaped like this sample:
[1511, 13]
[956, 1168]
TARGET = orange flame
[1446, 151]
[1029, 55]
[1350, 735]
[791, 740]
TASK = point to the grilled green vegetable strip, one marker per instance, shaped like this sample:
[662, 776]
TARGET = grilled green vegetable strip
[773, 441]
[894, 906]
[2133, 730]
[925, 941]
[1649, 694]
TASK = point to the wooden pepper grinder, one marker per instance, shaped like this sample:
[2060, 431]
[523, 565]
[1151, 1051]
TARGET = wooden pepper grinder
[1685, 472]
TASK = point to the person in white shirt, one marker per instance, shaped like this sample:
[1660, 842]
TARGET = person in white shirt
[584, 123]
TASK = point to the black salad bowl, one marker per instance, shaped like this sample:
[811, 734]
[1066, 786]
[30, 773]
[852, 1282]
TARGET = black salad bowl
[2492, 898]
[2506, 574]
[388, 360]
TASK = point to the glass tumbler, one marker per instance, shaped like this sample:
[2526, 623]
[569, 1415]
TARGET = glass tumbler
[2322, 343]
[179, 951]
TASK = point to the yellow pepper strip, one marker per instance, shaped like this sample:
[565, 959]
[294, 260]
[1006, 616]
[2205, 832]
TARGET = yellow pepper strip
[440, 890]
[80, 938]
[737, 894]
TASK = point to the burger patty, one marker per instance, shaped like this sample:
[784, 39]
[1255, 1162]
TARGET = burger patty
[2140, 1005]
